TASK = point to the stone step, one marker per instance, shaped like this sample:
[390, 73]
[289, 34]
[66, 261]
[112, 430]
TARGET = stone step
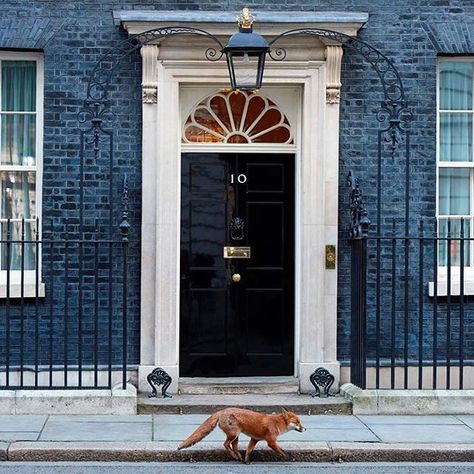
[268, 403]
[237, 385]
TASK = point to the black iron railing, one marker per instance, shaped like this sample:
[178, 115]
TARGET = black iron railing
[413, 309]
[63, 305]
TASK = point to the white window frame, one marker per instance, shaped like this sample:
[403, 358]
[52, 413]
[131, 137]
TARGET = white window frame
[455, 270]
[29, 287]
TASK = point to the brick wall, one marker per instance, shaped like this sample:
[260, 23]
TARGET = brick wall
[73, 35]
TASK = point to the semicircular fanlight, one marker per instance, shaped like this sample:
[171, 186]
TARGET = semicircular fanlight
[237, 117]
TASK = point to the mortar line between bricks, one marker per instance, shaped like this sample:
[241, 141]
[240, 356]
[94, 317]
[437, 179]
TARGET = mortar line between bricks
[367, 426]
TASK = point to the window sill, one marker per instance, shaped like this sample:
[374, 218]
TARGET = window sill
[455, 290]
[29, 290]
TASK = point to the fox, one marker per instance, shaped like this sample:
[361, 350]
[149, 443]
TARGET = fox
[258, 426]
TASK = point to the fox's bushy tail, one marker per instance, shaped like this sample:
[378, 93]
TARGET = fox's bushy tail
[201, 432]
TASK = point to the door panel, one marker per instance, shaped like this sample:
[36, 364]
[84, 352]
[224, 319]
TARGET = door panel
[237, 328]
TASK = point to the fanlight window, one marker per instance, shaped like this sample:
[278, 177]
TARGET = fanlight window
[237, 117]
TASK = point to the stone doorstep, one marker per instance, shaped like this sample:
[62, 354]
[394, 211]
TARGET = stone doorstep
[237, 385]
[69, 402]
[268, 403]
[207, 451]
[408, 402]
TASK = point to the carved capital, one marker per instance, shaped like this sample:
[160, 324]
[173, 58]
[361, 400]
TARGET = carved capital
[150, 94]
[150, 54]
[333, 73]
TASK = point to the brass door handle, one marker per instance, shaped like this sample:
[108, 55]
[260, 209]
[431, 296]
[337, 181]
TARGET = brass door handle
[236, 277]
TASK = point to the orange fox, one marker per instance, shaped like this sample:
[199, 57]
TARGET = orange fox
[260, 427]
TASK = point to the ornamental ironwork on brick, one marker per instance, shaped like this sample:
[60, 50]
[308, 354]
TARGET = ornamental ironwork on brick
[360, 222]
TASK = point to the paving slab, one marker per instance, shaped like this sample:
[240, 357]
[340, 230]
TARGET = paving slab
[18, 436]
[331, 421]
[319, 428]
[102, 418]
[312, 421]
[159, 420]
[410, 419]
[22, 422]
[467, 419]
[314, 435]
[423, 433]
[93, 431]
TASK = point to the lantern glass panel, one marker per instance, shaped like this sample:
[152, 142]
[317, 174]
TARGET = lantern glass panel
[246, 71]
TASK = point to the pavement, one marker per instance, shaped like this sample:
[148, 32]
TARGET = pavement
[328, 438]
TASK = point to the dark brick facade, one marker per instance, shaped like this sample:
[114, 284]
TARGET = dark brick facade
[74, 34]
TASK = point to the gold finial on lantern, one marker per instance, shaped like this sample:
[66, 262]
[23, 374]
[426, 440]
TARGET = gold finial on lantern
[245, 19]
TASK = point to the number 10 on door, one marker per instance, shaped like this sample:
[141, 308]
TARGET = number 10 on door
[241, 178]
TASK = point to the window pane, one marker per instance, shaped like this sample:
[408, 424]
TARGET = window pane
[237, 117]
[456, 137]
[456, 85]
[454, 245]
[18, 139]
[11, 254]
[19, 86]
[454, 195]
[18, 194]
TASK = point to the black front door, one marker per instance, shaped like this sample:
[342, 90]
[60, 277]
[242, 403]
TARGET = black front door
[237, 314]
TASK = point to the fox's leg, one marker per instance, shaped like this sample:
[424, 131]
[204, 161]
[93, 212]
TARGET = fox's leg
[250, 448]
[274, 445]
[227, 445]
[235, 447]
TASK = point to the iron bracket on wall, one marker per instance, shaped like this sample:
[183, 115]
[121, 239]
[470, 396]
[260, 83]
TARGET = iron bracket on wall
[156, 378]
[321, 377]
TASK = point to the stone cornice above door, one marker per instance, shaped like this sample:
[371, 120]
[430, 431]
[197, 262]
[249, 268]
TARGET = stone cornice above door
[268, 23]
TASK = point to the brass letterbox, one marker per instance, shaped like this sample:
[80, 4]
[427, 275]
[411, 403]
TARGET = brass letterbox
[236, 252]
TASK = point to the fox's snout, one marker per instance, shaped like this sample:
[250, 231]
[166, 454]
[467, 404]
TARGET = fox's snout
[300, 428]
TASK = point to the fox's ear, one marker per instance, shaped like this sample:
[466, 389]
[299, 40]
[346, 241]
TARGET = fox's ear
[284, 410]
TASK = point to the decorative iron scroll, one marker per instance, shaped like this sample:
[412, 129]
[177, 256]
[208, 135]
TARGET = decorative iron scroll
[237, 228]
[97, 88]
[94, 113]
[324, 379]
[360, 221]
[156, 378]
[388, 74]
[394, 109]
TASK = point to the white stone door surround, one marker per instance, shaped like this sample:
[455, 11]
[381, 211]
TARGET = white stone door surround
[312, 67]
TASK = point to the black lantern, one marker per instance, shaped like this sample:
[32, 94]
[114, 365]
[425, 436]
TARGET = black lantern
[245, 53]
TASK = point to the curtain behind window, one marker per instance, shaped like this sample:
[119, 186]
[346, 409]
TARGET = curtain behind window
[456, 90]
[18, 147]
